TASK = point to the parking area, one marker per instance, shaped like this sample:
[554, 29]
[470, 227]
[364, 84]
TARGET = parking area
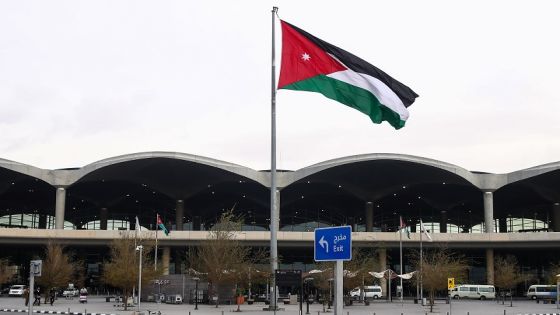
[98, 305]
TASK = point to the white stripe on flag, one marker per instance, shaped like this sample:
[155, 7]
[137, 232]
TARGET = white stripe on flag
[423, 230]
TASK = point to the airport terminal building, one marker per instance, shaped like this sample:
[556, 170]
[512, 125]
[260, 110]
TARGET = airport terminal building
[477, 214]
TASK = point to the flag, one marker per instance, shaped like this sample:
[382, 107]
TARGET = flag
[402, 226]
[161, 225]
[137, 228]
[311, 64]
[423, 230]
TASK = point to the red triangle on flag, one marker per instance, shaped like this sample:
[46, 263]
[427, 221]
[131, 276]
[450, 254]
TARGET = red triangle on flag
[302, 59]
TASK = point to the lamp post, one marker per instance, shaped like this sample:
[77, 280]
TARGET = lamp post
[306, 282]
[140, 249]
[196, 279]
[330, 292]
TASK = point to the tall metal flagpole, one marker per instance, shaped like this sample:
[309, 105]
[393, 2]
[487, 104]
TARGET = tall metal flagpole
[155, 252]
[421, 262]
[273, 205]
[400, 244]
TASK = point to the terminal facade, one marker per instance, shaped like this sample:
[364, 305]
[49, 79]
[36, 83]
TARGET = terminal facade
[477, 214]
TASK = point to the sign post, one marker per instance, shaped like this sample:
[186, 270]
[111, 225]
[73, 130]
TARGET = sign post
[334, 244]
[450, 286]
[35, 269]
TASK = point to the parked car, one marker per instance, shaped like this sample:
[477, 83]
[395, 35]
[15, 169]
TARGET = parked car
[370, 292]
[473, 291]
[17, 290]
[70, 292]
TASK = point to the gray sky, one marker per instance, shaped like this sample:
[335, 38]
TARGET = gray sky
[82, 81]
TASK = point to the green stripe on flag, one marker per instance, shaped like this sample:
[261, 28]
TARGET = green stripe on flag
[350, 95]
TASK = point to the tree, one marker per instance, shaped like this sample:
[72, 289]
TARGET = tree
[356, 270]
[438, 265]
[554, 271]
[121, 270]
[6, 272]
[221, 257]
[322, 279]
[507, 274]
[58, 268]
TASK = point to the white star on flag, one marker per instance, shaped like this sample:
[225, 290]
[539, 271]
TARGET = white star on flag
[305, 57]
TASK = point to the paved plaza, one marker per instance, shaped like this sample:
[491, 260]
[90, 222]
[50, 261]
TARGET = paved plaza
[98, 305]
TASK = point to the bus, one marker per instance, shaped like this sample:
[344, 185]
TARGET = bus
[473, 291]
[541, 291]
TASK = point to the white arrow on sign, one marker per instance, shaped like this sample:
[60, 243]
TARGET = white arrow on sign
[324, 244]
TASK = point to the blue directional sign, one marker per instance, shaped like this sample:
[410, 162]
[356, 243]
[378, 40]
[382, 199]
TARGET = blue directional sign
[333, 243]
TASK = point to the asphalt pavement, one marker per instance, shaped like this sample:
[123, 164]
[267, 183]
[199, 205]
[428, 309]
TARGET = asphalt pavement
[98, 305]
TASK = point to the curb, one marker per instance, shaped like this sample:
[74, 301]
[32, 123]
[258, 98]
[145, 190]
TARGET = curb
[540, 314]
[12, 310]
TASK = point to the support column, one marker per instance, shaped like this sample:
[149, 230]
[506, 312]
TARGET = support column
[489, 266]
[42, 221]
[196, 223]
[369, 216]
[103, 216]
[383, 265]
[179, 214]
[488, 212]
[443, 222]
[502, 225]
[165, 257]
[177, 252]
[60, 207]
[555, 218]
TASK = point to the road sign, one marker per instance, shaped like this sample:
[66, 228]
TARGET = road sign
[286, 277]
[333, 243]
[450, 283]
[36, 267]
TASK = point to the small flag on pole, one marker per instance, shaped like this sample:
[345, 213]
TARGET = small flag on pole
[402, 226]
[423, 230]
[137, 227]
[161, 225]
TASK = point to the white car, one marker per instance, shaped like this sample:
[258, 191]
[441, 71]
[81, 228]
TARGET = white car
[17, 290]
[70, 292]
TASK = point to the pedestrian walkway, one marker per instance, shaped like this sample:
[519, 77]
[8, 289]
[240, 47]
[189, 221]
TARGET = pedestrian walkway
[99, 306]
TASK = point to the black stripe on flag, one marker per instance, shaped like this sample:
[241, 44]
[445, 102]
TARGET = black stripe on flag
[406, 94]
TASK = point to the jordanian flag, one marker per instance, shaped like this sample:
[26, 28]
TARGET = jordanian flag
[161, 225]
[311, 64]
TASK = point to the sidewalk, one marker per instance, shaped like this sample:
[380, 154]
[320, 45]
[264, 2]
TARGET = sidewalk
[97, 305]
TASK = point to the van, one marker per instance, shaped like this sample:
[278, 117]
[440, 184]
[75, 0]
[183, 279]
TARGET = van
[473, 291]
[370, 292]
[540, 291]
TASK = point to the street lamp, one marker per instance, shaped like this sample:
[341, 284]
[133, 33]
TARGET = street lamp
[196, 279]
[139, 248]
[306, 282]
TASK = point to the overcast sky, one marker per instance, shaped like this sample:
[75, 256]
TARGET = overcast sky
[81, 81]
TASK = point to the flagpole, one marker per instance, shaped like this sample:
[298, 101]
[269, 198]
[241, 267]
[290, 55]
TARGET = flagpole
[155, 252]
[273, 204]
[400, 243]
[421, 262]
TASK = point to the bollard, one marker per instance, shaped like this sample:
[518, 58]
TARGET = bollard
[317, 312]
[504, 312]
[68, 311]
[189, 312]
[222, 312]
[85, 311]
